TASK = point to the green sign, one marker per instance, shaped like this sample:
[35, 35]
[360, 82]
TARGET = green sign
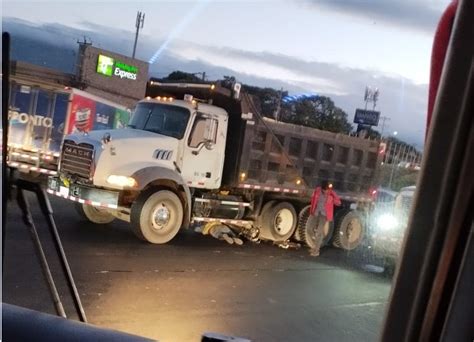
[110, 67]
[105, 65]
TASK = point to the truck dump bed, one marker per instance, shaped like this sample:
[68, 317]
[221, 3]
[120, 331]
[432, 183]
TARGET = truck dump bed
[279, 154]
[274, 156]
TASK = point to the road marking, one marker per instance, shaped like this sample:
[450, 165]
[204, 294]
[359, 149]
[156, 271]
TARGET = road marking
[357, 305]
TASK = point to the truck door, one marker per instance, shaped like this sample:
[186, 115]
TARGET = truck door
[203, 155]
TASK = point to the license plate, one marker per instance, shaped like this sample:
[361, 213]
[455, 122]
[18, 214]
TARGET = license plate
[75, 191]
[64, 191]
[53, 184]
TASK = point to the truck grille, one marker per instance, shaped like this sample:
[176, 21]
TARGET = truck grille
[77, 159]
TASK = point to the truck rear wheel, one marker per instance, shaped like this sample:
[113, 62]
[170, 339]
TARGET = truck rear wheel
[349, 230]
[328, 231]
[94, 214]
[277, 221]
[302, 219]
[157, 216]
[306, 229]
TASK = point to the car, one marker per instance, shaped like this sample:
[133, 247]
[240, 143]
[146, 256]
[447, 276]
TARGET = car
[388, 225]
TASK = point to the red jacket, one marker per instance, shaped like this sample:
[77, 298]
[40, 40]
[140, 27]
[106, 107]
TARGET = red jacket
[332, 199]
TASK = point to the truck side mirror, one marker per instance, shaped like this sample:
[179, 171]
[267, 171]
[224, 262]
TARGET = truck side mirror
[209, 144]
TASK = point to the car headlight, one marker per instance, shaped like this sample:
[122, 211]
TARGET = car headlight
[386, 222]
[122, 181]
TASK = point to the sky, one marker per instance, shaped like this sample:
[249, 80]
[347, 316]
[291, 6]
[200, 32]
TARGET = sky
[328, 47]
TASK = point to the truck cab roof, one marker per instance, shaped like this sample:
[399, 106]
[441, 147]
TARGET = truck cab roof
[191, 105]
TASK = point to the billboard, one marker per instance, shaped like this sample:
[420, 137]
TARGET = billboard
[367, 117]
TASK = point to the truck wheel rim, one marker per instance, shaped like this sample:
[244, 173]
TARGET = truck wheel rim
[283, 221]
[160, 216]
[354, 230]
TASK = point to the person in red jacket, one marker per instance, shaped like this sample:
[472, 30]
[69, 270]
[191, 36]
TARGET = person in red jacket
[323, 200]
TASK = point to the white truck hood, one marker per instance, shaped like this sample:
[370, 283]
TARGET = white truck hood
[127, 151]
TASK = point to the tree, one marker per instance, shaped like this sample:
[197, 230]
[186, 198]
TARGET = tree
[182, 77]
[268, 98]
[317, 112]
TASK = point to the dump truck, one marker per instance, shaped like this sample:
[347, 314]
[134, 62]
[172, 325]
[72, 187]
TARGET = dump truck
[40, 116]
[199, 153]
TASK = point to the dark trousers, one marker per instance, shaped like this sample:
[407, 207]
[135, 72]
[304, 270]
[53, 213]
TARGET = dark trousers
[317, 233]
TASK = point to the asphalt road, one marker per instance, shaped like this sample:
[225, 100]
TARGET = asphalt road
[196, 284]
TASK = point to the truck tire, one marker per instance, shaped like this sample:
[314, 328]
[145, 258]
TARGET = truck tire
[328, 233]
[94, 214]
[277, 221]
[349, 230]
[305, 228]
[156, 216]
[302, 219]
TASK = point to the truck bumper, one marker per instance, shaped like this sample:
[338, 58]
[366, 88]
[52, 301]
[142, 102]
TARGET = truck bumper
[83, 194]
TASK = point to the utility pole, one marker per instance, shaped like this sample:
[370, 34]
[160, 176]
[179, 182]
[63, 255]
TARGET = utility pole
[139, 25]
[79, 77]
[395, 159]
[383, 119]
[278, 109]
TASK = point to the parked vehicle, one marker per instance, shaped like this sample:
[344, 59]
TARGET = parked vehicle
[40, 117]
[203, 153]
[388, 225]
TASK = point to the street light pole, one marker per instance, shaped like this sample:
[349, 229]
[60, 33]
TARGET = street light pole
[383, 118]
[278, 109]
[395, 161]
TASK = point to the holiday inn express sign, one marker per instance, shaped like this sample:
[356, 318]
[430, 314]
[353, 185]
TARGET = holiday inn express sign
[109, 66]
[107, 73]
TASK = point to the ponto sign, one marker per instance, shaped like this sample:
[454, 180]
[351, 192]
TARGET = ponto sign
[110, 67]
[24, 118]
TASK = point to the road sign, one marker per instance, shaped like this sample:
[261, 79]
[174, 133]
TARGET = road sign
[367, 117]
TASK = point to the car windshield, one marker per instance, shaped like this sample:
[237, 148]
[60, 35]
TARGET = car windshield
[160, 118]
[256, 168]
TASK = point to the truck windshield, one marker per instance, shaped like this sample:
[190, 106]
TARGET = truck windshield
[160, 118]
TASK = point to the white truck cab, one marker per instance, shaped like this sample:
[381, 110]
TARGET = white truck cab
[185, 137]
[169, 147]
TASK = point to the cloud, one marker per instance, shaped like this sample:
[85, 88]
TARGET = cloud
[400, 99]
[403, 101]
[415, 14]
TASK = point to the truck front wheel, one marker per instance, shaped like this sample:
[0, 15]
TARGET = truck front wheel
[93, 214]
[157, 216]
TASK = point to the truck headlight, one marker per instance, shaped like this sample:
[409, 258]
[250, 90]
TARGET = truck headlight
[122, 181]
[386, 222]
